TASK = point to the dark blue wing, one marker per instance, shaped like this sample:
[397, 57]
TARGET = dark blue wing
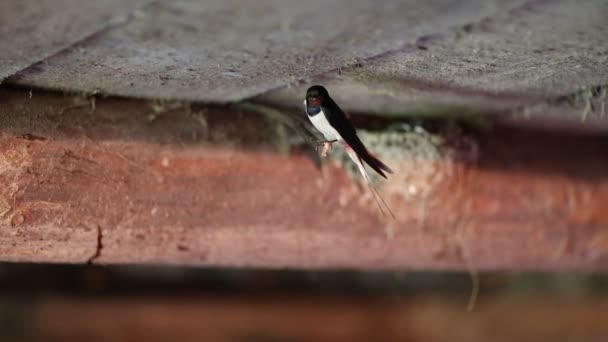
[338, 120]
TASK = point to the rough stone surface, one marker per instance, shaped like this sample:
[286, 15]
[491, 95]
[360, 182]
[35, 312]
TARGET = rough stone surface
[436, 57]
[230, 50]
[32, 31]
[537, 51]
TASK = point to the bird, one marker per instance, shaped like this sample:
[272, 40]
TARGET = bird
[329, 119]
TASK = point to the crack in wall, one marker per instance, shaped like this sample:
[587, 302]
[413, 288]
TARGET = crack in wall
[98, 248]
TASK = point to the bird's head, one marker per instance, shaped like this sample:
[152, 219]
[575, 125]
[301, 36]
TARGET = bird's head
[316, 96]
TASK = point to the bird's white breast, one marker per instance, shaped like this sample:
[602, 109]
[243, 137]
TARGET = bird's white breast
[322, 125]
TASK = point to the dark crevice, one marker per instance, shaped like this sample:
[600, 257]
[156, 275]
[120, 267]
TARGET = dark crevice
[98, 248]
[591, 93]
[589, 102]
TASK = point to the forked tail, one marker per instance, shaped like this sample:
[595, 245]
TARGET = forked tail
[377, 197]
[375, 164]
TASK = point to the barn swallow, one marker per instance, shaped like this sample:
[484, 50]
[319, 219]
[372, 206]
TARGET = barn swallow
[330, 120]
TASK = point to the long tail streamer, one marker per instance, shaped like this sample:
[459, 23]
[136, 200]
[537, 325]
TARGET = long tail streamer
[375, 193]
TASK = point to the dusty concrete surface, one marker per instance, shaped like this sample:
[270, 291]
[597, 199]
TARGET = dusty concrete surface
[128, 181]
[537, 51]
[220, 51]
[404, 58]
[33, 31]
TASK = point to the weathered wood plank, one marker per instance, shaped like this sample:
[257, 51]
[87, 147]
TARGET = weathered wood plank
[298, 319]
[127, 183]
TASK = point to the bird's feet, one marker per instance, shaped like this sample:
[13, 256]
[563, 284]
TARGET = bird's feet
[325, 147]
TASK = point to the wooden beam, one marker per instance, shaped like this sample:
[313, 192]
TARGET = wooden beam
[278, 318]
[131, 181]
